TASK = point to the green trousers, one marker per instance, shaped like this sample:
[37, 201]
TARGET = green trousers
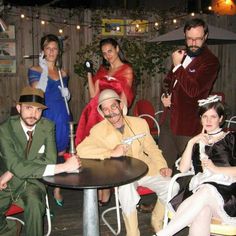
[32, 200]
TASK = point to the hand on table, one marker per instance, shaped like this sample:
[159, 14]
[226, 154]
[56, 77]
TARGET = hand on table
[72, 164]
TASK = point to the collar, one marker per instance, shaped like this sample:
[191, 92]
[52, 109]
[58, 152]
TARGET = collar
[25, 129]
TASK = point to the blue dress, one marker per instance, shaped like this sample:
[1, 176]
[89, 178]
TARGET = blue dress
[56, 110]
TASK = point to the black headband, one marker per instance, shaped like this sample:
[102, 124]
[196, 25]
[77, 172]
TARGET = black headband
[31, 98]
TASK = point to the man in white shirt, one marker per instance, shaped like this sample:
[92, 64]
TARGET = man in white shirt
[21, 169]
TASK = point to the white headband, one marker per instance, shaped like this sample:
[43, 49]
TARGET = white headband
[210, 99]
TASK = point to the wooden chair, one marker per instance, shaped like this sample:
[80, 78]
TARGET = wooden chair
[141, 190]
[144, 109]
[14, 210]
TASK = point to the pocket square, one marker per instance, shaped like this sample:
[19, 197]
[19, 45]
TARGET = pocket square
[42, 149]
[192, 70]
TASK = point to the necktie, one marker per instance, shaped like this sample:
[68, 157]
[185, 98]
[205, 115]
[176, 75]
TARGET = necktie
[29, 142]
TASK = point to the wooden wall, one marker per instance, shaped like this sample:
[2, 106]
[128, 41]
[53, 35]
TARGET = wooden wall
[29, 32]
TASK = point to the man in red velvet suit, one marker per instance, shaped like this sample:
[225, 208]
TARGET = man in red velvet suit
[191, 78]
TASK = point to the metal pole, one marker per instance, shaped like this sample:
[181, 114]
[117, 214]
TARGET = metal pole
[90, 213]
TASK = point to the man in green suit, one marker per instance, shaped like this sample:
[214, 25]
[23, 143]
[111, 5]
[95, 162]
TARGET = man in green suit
[20, 169]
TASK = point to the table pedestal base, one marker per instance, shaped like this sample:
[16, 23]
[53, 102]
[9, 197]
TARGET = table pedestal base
[90, 213]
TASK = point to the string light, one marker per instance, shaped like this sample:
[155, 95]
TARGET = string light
[67, 23]
[192, 14]
[210, 8]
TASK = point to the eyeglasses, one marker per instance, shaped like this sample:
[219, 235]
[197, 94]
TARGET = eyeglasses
[197, 40]
[113, 107]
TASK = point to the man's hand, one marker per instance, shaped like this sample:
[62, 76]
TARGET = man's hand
[72, 164]
[120, 150]
[166, 100]
[7, 176]
[165, 172]
[177, 57]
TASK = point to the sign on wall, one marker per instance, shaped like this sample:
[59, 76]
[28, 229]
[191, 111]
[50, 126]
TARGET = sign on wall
[8, 51]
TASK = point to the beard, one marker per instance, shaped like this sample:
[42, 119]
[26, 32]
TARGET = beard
[29, 121]
[194, 51]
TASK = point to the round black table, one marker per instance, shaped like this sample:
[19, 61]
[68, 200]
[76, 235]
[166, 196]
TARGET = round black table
[98, 174]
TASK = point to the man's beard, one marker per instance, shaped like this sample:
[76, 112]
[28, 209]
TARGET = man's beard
[195, 53]
[30, 123]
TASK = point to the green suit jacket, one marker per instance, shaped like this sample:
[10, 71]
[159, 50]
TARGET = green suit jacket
[12, 152]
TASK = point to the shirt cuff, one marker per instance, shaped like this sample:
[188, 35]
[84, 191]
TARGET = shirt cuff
[176, 68]
[50, 170]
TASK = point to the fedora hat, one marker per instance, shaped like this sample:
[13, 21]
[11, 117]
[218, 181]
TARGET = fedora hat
[32, 96]
[109, 94]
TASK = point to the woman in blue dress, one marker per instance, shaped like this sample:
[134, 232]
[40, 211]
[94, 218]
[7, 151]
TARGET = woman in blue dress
[46, 77]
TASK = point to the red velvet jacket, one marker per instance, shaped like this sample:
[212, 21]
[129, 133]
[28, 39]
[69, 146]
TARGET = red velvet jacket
[193, 83]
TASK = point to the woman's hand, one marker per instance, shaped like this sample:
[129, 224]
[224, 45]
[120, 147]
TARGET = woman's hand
[165, 172]
[203, 137]
[208, 164]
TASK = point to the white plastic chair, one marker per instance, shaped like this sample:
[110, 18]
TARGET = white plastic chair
[144, 109]
[216, 228]
[19, 210]
[232, 120]
[141, 191]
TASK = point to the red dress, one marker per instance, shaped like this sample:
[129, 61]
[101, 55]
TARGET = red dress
[90, 116]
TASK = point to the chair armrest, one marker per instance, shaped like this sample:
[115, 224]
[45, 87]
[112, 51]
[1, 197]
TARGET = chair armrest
[230, 121]
[158, 112]
[155, 121]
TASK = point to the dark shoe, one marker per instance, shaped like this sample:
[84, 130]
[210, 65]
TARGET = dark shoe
[144, 208]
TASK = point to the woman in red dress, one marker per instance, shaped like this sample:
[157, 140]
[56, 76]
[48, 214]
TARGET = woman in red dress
[114, 73]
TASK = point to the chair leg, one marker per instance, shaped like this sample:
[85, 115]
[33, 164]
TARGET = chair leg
[117, 208]
[16, 219]
[48, 217]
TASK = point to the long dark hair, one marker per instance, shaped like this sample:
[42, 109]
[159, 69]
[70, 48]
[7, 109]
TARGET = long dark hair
[115, 44]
